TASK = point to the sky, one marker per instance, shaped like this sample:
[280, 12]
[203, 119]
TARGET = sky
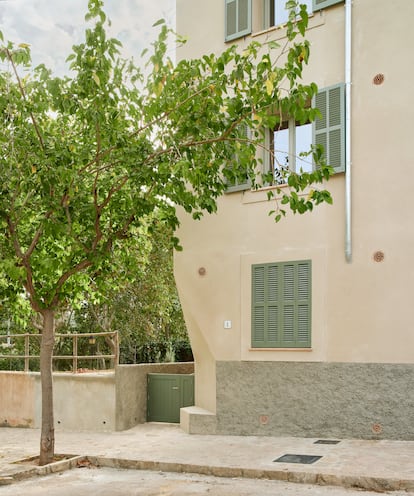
[51, 27]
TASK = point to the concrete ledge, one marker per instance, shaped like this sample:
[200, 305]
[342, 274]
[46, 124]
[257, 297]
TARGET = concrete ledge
[24, 469]
[196, 420]
[377, 484]
[323, 479]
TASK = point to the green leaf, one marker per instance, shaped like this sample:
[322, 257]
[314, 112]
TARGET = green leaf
[158, 23]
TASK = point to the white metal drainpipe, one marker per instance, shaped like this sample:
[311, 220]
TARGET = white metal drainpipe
[348, 162]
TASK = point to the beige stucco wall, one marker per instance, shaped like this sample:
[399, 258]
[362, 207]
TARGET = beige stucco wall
[17, 400]
[85, 401]
[81, 401]
[93, 401]
[361, 311]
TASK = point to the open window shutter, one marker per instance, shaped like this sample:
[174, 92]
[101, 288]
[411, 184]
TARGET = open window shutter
[238, 18]
[281, 305]
[321, 4]
[329, 131]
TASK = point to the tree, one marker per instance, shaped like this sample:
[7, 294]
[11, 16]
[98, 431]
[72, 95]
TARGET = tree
[86, 158]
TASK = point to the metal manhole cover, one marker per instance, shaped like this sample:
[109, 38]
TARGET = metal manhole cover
[326, 441]
[306, 459]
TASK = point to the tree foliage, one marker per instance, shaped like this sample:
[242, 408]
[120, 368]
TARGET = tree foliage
[86, 158]
[146, 312]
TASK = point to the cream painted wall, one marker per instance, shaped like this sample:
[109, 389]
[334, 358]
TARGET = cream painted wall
[361, 311]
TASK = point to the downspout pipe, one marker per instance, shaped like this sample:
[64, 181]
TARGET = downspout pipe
[348, 161]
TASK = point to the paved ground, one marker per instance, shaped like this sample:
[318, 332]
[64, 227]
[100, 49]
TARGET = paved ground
[370, 465]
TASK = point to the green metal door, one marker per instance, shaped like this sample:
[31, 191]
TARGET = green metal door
[166, 394]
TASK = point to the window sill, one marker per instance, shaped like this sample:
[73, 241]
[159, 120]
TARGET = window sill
[280, 349]
[316, 19]
[259, 195]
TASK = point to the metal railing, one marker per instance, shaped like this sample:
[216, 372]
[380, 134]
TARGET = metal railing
[7, 341]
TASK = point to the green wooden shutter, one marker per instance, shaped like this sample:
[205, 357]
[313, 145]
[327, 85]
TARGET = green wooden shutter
[321, 4]
[329, 130]
[281, 305]
[258, 305]
[238, 18]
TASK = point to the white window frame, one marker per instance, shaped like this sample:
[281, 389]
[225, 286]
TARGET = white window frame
[269, 17]
[269, 159]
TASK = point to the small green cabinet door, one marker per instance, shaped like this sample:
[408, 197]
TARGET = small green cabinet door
[166, 394]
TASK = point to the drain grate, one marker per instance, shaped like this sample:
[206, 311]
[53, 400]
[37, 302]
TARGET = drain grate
[326, 441]
[305, 459]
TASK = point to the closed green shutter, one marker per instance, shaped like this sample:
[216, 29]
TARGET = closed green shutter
[238, 18]
[321, 4]
[329, 130]
[281, 305]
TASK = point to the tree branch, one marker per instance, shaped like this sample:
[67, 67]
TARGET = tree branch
[103, 153]
[23, 93]
[35, 239]
[24, 262]
[74, 270]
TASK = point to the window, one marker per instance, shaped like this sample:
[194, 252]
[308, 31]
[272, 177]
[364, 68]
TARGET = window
[281, 305]
[275, 12]
[287, 144]
[238, 185]
[238, 18]
[267, 13]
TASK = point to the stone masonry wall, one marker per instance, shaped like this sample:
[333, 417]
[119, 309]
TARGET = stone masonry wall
[322, 400]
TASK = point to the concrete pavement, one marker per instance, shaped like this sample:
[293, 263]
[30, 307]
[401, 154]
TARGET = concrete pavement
[371, 465]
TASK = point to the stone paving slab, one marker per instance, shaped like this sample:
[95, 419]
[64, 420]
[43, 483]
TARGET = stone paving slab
[371, 465]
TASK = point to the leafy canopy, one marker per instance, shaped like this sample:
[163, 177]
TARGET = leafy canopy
[88, 160]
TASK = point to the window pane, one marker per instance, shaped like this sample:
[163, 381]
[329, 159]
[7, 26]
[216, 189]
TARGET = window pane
[243, 15]
[282, 15]
[303, 144]
[281, 154]
[231, 18]
[308, 4]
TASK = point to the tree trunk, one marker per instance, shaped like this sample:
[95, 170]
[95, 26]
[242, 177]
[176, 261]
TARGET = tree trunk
[47, 436]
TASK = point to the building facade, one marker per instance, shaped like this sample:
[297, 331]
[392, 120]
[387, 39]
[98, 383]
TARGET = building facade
[303, 327]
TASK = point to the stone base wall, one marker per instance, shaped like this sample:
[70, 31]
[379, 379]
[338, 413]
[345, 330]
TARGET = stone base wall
[322, 400]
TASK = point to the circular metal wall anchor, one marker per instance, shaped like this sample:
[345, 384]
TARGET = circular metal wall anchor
[378, 256]
[378, 79]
